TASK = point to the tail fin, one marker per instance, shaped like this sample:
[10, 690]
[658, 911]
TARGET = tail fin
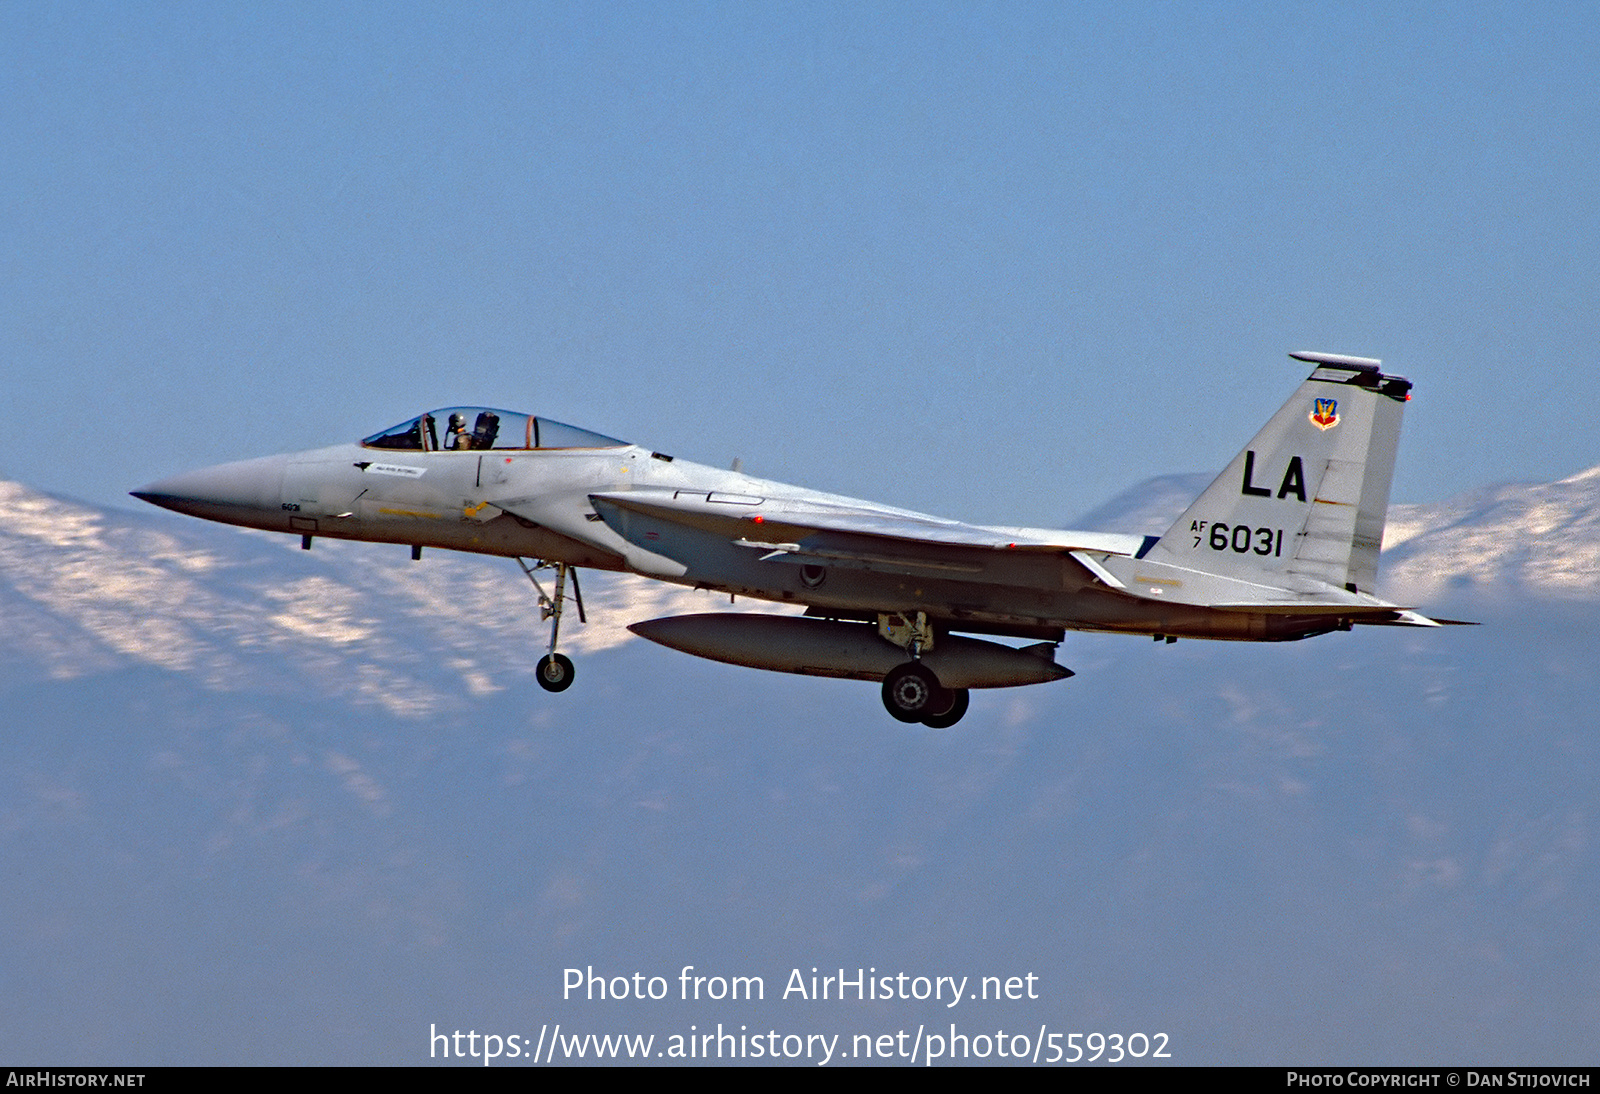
[1308, 496]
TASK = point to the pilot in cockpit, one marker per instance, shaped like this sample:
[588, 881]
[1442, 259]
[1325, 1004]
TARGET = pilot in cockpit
[456, 438]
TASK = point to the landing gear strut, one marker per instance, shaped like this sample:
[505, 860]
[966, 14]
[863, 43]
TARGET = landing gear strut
[554, 671]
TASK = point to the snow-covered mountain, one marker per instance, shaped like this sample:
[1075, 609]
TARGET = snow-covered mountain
[1500, 542]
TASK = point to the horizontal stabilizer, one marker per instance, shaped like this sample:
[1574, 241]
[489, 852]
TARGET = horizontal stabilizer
[1152, 580]
[1417, 619]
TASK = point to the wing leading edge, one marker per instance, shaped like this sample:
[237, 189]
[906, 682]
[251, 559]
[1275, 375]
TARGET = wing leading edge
[820, 532]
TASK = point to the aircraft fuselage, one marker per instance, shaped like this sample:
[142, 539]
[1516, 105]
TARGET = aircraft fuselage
[1281, 546]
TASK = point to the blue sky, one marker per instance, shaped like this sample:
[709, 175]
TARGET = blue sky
[993, 261]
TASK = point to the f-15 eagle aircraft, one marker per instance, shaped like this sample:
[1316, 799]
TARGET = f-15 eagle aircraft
[1282, 545]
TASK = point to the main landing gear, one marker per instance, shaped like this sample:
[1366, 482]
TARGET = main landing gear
[554, 670]
[911, 692]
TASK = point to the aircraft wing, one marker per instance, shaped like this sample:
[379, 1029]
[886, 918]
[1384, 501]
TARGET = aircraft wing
[893, 541]
[808, 530]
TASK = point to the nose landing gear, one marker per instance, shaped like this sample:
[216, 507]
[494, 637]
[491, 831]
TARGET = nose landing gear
[554, 671]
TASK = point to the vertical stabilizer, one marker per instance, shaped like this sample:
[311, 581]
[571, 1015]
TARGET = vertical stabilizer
[1309, 494]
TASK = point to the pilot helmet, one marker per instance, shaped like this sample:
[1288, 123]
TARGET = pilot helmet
[458, 421]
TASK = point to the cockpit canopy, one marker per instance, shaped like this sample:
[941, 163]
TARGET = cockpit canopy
[476, 428]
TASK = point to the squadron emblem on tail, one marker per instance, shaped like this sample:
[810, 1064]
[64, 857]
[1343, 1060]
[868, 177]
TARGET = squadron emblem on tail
[1325, 413]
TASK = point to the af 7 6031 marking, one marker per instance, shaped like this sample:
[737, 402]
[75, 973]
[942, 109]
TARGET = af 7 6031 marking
[1239, 538]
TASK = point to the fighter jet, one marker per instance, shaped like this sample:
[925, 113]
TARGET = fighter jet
[1283, 545]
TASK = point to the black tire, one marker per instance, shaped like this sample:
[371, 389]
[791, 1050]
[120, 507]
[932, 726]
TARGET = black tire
[960, 700]
[554, 672]
[910, 691]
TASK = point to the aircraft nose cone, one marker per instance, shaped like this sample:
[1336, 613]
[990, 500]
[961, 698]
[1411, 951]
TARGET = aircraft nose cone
[247, 492]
